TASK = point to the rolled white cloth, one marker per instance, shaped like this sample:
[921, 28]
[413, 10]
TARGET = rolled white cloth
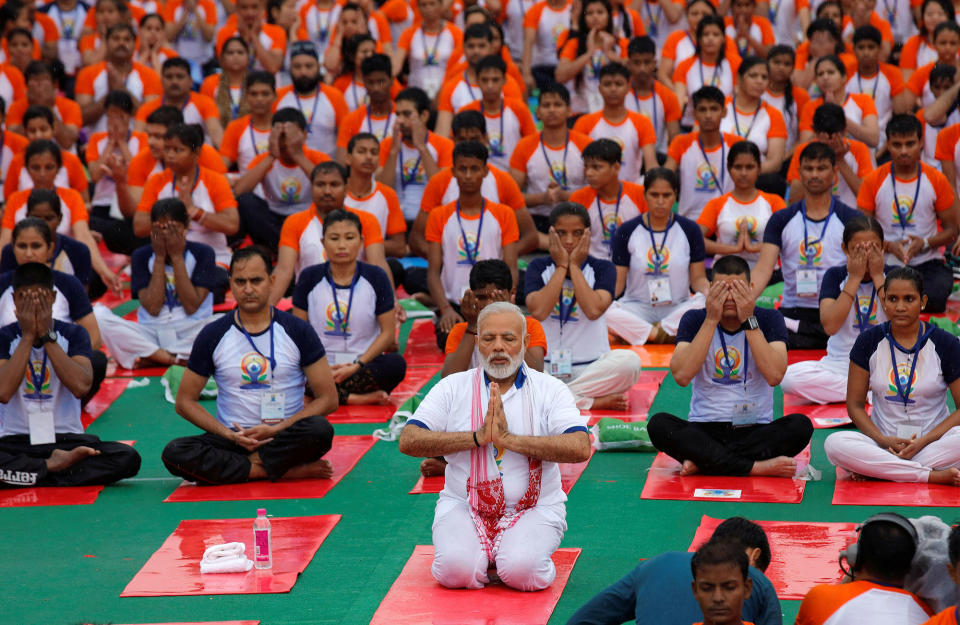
[226, 558]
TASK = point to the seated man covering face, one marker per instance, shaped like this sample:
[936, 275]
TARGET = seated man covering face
[734, 354]
[502, 428]
[41, 437]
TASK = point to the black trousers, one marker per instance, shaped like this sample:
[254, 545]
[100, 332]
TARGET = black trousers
[383, 373]
[117, 233]
[810, 333]
[209, 459]
[721, 449]
[24, 465]
[259, 222]
[937, 284]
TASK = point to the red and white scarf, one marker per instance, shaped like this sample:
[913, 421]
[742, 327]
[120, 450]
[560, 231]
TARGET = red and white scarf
[485, 485]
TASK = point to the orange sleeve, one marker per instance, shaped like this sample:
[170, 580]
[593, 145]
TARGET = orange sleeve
[383, 27]
[342, 83]
[293, 227]
[908, 54]
[806, 116]
[710, 213]
[802, 56]
[12, 183]
[394, 10]
[385, 147]
[679, 145]
[512, 88]
[894, 77]
[532, 18]
[85, 78]
[527, 125]
[580, 140]
[70, 112]
[509, 231]
[338, 102]
[151, 82]
[15, 112]
[456, 335]
[436, 220]
[76, 175]
[169, 10]
[918, 80]
[445, 99]
[259, 158]
[207, 107]
[444, 148]
[523, 151]
[671, 104]
[670, 45]
[87, 42]
[776, 202]
[351, 126]
[403, 43]
[151, 191]
[146, 108]
[93, 147]
[769, 38]
[395, 220]
[50, 31]
[946, 142]
[635, 192]
[941, 188]
[14, 203]
[436, 187]
[778, 127]
[645, 132]
[569, 50]
[210, 158]
[138, 171]
[680, 72]
[316, 156]
[586, 123]
[538, 338]
[369, 228]
[74, 201]
[230, 144]
[867, 197]
[509, 191]
[865, 102]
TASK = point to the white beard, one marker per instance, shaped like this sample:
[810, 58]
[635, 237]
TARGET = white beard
[500, 372]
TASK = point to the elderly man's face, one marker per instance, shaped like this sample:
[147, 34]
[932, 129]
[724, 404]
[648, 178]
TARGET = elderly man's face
[501, 344]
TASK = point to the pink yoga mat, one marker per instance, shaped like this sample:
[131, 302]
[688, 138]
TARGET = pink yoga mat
[422, 345]
[416, 598]
[664, 482]
[346, 452]
[206, 623]
[847, 492]
[110, 391]
[174, 569]
[641, 397]
[821, 415]
[569, 474]
[803, 554]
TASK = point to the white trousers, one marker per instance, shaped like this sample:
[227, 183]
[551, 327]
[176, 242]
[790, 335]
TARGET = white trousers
[523, 561]
[858, 453]
[128, 340]
[614, 372]
[634, 324]
[821, 381]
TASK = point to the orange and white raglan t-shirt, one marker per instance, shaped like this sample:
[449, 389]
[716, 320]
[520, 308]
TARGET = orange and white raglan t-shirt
[543, 163]
[701, 179]
[71, 204]
[498, 186]
[286, 187]
[606, 217]
[861, 603]
[382, 202]
[303, 233]
[505, 129]
[142, 82]
[724, 216]
[632, 134]
[857, 156]
[760, 126]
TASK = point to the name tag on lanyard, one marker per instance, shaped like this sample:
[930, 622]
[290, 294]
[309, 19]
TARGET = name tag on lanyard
[40, 408]
[561, 363]
[272, 404]
[807, 282]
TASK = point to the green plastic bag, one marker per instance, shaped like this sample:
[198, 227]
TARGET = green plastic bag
[171, 383]
[615, 435]
[945, 323]
[771, 296]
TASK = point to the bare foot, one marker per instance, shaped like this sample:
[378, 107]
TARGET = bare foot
[950, 477]
[688, 468]
[616, 339]
[319, 469]
[432, 467]
[781, 466]
[611, 402]
[61, 459]
[858, 477]
[366, 399]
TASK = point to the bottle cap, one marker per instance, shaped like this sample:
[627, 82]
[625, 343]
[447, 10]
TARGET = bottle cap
[261, 512]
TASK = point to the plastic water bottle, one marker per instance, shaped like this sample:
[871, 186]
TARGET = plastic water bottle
[262, 554]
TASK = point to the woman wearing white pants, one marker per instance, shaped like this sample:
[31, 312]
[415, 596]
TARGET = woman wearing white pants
[850, 297]
[908, 365]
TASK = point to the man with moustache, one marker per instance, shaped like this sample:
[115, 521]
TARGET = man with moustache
[322, 105]
[501, 512]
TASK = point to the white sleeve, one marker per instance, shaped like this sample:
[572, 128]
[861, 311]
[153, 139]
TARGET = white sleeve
[434, 411]
[562, 413]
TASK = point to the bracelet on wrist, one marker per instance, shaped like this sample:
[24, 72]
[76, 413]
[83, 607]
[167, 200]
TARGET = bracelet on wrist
[475, 441]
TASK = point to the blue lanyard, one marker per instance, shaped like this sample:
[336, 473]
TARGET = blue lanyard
[565, 311]
[608, 233]
[466, 81]
[716, 73]
[658, 252]
[356, 98]
[653, 101]
[430, 58]
[863, 320]
[253, 140]
[195, 182]
[904, 393]
[653, 23]
[343, 318]
[323, 29]
[497, 149]
[273, 361]
[746, 355]
[901, 214]
[826, 222]
[38, 379]
[873, 94]
[736, 119]
[316, 101]
[407, 181]
[386, 127]
[562, 181]
[723, 159]
[774, 10]
[472, 252]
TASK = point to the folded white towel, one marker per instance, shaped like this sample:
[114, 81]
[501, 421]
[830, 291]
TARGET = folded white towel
[228, 550]
[235, 564]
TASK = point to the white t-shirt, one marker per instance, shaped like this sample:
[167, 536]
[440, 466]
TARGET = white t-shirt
[322, 119]
[865, 313]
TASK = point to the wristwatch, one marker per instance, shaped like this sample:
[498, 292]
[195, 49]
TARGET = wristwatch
[752, 323]
[49, 337]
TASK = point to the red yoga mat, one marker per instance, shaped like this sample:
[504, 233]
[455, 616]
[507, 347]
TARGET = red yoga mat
[569, 474]
[205, 623]
[800, 355]
[174, 569]
[413, 382]
[416, 598]
[821, 416]
[803, 554]
[847, 492]
[109, 391]
[640, 397]
[346, 452]
[422, 345]
[664, 482]
[110, 300]
[652, 355]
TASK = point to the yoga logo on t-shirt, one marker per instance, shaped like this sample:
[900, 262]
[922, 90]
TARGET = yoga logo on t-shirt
[566, 306]
[35, 368]
[705, 178]
[468, 248]
[337, 320]
[751, 222]
[903, 211]
[253, 371]
[611, 221]
[412, 171]
[902, 371]
[727, 366]
[868, 311]
[290, 189]
[658, 263]
[810, 254]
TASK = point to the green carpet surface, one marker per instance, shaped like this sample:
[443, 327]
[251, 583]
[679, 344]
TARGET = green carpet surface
[68, 564]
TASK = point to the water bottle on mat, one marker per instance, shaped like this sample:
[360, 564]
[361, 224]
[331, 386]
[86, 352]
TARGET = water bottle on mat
[262, 554]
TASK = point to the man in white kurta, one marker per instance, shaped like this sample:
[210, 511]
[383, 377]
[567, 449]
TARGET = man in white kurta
[502, 429]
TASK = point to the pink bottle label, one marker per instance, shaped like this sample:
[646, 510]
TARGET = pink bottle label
[261, 545]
